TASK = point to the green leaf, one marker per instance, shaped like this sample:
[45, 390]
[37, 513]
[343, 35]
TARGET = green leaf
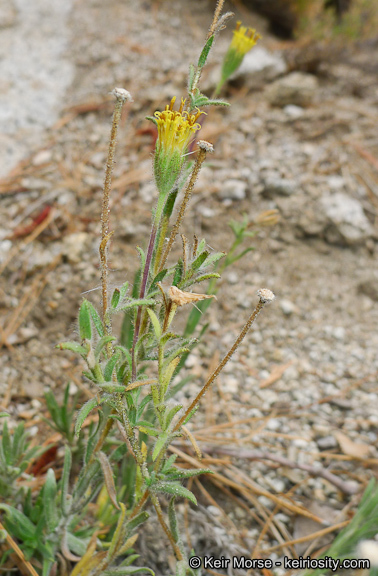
[171, 414]
[7, 445]
[207, 277]
[205, 52]
[85, 327]
[101, 345]
[179, 270]
[115, 298]
[18, 442]
[49, 504]
[181, 474]
[192, 73]
[176, 489]
[96, 319]
[137, 302]
[216, 102]
[25, 529]
[197, 263]
[173, 520]
[163, 437]
[155, 323]
[137, 521]
[181, 568]
[177, 352]
[77, 545]
[65, 503]
[126, 354]
[111, 387]
[147, 430]
[74, 347]
[108, 478]
[152, 119]
[83, 413]
[158, 278]
[4, 415]
[142, 257]
[110, 366]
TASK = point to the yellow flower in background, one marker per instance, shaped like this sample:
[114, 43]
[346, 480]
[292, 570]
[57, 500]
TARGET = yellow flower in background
[175, 131]
[243, 40]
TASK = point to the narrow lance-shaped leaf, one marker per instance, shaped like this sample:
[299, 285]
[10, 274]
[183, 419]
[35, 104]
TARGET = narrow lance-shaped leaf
[155, 323]
[49, 503]
[7, 444]
[173, 519]
[115, 298]
[176, 489]
[205, 52]
[83, 413]
[66, 505]
[108, 477]
[181, 568]
[25, 528]
[85, 328]
[108, 372]
[101, 345]
[137, 302]
[74, 347]
[159, 445]
[96, 319]
[171, 414]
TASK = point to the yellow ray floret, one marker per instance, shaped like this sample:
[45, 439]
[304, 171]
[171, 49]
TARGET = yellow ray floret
[175, 129]
[244, 39]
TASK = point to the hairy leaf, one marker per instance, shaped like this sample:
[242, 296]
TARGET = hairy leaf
[65, 503]
[74, 347]
[85, 327]
[49, 503]
[108, 477]
[83, 413]
[176, 489]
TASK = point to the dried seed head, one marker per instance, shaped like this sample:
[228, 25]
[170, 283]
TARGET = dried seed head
[206, 146]
[181, 298]
[266, 296]
[122, 94]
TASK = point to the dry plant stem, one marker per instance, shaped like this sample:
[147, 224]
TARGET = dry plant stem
[217, 13]
[188, 192]
[223, 363]
[156, 504]
[121, 97]
[346, 487]
[19, 552]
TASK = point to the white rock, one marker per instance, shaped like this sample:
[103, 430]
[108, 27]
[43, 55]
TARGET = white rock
[74, 246]
[288, 307]
[280, 186]
[346, 216]
[260, 66]
[293, 111]
[296, 88]
[336, 182]
[233, 190]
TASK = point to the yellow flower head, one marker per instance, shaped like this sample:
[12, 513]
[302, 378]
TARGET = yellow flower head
[175, 129]
[244, 39]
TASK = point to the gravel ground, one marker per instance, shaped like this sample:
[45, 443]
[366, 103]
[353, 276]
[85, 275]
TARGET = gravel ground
[306, 377]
